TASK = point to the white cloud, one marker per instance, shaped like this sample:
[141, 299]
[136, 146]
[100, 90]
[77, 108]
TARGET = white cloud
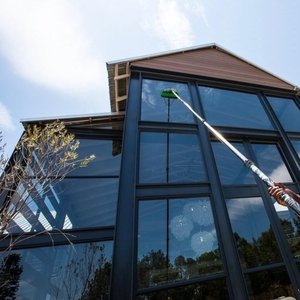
[173, 21]
[5, 119]
[46, 43]
[196, 8]
[171, 24]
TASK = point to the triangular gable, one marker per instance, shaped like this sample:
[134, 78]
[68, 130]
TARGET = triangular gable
[213, 62]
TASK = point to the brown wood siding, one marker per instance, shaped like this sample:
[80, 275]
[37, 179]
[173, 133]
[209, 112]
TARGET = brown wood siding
[214, 63]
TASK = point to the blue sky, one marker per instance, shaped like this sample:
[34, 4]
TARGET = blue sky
[53, 53]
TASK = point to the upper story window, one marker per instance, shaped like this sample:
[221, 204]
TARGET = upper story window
[287, 112]
[170, 158]
[158, 109]
[234, 109]
[108, 157]
[233, 171]
[86, 198]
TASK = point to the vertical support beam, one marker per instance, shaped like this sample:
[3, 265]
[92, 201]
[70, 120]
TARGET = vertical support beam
[123, 269]
[230, 255]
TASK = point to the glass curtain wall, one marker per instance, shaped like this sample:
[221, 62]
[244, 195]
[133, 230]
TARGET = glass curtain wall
[80, 207]
[177, 238]
[178, 241]
[256, 242]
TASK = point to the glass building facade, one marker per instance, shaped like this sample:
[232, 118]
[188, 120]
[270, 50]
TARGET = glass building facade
[167, 211]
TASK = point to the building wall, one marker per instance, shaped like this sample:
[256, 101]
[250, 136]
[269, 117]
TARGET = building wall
[63, 239]
[201, 225]
[168, 212]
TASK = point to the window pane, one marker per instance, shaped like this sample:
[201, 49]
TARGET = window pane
[235, 109]
[186, 163]
[287, 112]
[153, 158]
[209, 290]
[193, 244]
[183, 163]
[78, 271]
[270, 284]
[271, 162]
[253, 234]
[156, 108]
[182, 247]
[152, 243]
[231, 169]
[107, 161]
[71, 203]
[290, 224]
[296, 145]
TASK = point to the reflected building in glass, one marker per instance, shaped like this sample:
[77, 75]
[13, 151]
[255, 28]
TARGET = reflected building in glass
[166, 211]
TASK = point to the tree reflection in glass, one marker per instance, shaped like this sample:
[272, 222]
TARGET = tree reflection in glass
[181, 240]
[252, 231]
[270, 284]
[79, 271]
[290, 224]
[214, 289]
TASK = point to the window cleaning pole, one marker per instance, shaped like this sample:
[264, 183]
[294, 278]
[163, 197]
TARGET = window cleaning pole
[295, 206]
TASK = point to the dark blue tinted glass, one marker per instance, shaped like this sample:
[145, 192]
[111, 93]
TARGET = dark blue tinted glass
[290, 224]
[78, 271]
[231, 169]
[235, 109]
[193, 244]
[153, 158]
[271, 162]
[185, 161]
[107, 161]
[71, 203]
[176, 240]
[152, 243]
[270, 284]
[296, 145]
[252, 231]
[209, 290]
[156, 108]
[287, 112]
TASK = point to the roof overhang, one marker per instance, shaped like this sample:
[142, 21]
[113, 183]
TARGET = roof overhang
[119, 73]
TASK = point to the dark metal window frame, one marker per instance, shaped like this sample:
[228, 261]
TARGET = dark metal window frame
[68, 236]
[127, 217]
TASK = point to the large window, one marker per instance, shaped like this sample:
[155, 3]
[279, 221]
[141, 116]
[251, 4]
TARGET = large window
[87, 197]
[158, 109]
[287, 112]
[233, 171]
[170, 158]
[75, 271]
[254, 237]
[62, 237]
[204, 218]
[235, 109]
[177, 240]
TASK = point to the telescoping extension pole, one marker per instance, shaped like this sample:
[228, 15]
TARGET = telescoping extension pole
[172, 93]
